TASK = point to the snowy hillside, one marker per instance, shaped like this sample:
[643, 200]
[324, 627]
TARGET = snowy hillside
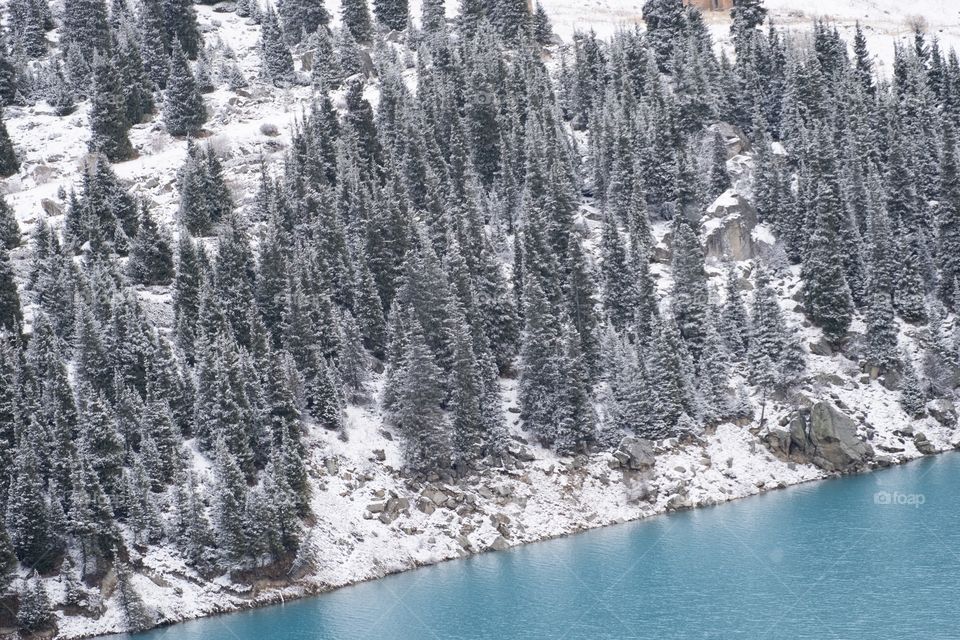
[403, 297]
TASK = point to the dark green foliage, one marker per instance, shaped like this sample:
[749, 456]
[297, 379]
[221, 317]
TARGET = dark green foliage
[9, 163]
[183, 110]
[276, 58]
[108, 113]
[356, 17]
[392, 13]
[300, 17]
[151, 256]
[11, 316]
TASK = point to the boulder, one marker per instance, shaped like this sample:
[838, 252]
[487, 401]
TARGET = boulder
[822, 435]
[923, 445]
[636, 454]
[833, 436]
[728, 228]
[736, 140]
[51, 208]
[944, 412]
[499, 544]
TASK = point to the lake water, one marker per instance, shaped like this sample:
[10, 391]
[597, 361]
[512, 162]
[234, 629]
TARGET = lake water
[865, 557]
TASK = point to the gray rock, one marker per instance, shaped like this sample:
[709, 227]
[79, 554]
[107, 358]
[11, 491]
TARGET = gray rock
[729, 228]
[833, 436]
[376, 507]
[944, 412]
[636, 454]
[499, 544]
[426, 506]
[823, 435]
[821, 348]
[51, 208]
[923, 445]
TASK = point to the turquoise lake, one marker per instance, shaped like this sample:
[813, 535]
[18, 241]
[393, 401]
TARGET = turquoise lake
[864, 557]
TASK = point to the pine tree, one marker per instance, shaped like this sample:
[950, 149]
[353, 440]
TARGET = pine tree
[912, 398]
[880, 348]
[9, 163]
[276, 58]
[542, 29]
[11, 315]
[134, 610]
[35, 613]
[665, 25]
[108, 121]
[719, 177]
[302, 16]
[183, 110]
[690, 301]
[151, 257]
[433, 18]
[392, 13]
[8, 560]
[418, 414]
[229, 498]
[356, 17]
[734, 325]
[180, 21]
[511, 18]
[948, 217]
[28, 516]
[827, 297]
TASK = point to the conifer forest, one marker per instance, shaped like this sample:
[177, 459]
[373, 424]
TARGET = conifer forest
[295, 276]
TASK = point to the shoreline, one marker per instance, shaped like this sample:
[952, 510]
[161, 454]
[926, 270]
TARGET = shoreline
[304, 589]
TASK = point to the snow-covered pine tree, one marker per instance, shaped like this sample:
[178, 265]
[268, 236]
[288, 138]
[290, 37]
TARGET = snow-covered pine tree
[393, 14]
[827, 297]
[11, 315]
[9, 163]
[183, 110]
[108, 115]
[302, 17]
[356, 17]
[665, 26]
[35, 613]
[275, 56]
[151, 256]
[912, 397]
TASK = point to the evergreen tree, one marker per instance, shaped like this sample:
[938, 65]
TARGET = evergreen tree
[134, 610]
[880, 348]
[433, 18]
[356, 17]
[912, 398]
[690, 302]
[542, 29]
[302, 17]
[34, 613]
[11, 315]
[28, 518]
[8, 560]
[392, 13]
[419, 414]
[719, 177]
[151, 257]
[665, 25]
[276, 58]
[183, 110]
[108, 121]
[9, 163]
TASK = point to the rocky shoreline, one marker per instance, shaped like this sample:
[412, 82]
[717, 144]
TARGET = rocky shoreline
[390, 524]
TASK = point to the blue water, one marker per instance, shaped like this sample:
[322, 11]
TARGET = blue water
[819, 561]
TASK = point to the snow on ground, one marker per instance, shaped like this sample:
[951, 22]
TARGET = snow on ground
[370, 520]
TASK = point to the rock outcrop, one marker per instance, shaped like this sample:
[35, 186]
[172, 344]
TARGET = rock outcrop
[822, 435]
[728, 228]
